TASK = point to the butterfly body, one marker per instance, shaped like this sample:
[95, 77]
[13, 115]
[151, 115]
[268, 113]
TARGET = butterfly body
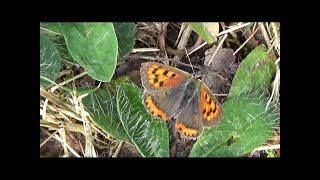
[170, 92]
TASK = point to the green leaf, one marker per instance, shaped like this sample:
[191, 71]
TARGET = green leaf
[50, 62]
[61, 45]
[54, 33]
[255, 71]
[94, 46]
[101, 104]
[50, 28]
[245, 126]
[126, 36]
[207, 31]
[149, 135]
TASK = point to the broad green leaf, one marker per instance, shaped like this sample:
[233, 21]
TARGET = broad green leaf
[245, 126]
[126, 36]
[101, 104]
[149, 135]
[61, 45]
[50, 62]
[50, 28]
[53, 32]
[254, 72]
[207, 31]
[94, 46]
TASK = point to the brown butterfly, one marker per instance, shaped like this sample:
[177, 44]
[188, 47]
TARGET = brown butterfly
[170, 92]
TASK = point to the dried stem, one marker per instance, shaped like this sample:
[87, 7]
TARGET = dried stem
[217, 49]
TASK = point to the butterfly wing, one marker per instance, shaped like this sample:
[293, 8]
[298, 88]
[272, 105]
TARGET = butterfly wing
[189, 122]
[155, 76]
[209, 107]
[165, 103]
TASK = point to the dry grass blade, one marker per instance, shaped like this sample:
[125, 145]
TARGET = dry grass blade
[63, 141]
[139, 50]
[275, 88]
[54, 99]
[67, 126]
[266, 38]
[48, 138]
[183, 41]
[276, 36]
[67, 81]
[87, 131]
[183, 26]
[216, 50]
[197, 48]
[67, 145]
[233, 28]
[44, 109]
[245, 41]
[118, 149]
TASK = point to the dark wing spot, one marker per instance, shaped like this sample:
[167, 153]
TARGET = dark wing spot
[155, 80]
[152, 112]
[159, 116]
[204, 111]
[210, 101]
[209, 112]
[161, 83]
[173, 75]
[155, 70]
[166, 72]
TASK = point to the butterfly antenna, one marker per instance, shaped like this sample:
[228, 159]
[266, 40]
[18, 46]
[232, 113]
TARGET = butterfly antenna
[190, 62]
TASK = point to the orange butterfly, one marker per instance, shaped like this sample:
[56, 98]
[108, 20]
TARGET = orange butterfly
[170, 92]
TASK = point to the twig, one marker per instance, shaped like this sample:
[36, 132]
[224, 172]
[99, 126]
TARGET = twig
[217, 49]
[183, 26]
[196, 44]
[268, 29]
[55, 99]
[275, 89]
[266, 38]
[273, 44]
[246, 41]
[197, 48]
[233, 29]
[69, 127]
[67, 81]
[44, 109]
[174, 52]
[118, 149]
[190, 62]
[183, 41]
[45, 141]
[254, 26]
[162, 38]
[67, 145]
[276, 35]
[63, 141]
[137, 50]
[277, 61]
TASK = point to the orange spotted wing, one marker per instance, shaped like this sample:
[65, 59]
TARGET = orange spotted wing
[170, 92]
